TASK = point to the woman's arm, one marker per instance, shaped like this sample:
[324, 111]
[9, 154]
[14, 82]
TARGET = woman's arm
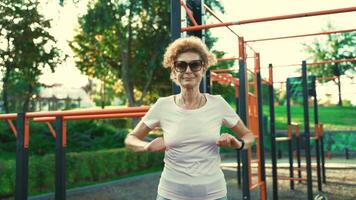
[242, 132]
[134, 140]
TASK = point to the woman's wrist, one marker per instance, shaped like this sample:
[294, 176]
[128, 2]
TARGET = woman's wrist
[145, 147]
[242, 145]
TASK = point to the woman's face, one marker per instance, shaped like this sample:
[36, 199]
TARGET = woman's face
[188, 70]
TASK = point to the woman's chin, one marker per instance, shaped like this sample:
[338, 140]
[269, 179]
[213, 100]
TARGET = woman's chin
[188, 85]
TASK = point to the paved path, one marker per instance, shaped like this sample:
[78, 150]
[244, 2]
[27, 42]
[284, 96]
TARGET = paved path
[145, 188]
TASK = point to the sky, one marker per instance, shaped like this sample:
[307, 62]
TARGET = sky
[278, 52]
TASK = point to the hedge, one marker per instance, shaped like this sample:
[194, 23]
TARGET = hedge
[82, 168]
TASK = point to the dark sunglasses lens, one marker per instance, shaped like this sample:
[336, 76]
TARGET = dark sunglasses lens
[181, 66]
[195, 65]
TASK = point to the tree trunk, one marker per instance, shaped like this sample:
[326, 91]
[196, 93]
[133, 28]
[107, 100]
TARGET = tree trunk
[339, 88]
[5, 90]
[125, 57]
[29, 92]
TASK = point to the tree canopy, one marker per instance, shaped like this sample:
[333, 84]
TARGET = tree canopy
[126, 40]
[26, 48]
[335, 47]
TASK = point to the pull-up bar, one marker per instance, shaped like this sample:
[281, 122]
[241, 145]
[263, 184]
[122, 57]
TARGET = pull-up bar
[78, 112]
[320, 62]
[303, 35]
[86, 117]
[273, 18]
[228, 59]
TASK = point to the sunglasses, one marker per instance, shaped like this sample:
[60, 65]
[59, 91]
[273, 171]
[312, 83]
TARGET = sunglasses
[194, 65]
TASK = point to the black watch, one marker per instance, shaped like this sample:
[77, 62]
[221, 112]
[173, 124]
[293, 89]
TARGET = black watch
[242, 145]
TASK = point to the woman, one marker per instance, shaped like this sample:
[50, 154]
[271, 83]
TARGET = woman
[191, 124]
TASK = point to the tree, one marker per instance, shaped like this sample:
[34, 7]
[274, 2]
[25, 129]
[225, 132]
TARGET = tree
[26, 49]
[126, 39]
[335, 47]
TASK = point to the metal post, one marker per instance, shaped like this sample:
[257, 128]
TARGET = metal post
[347, 155]
[298, 156]
[322, 157]
[243, 116]
[290, 147]
[196, 6]
[21, 187]
[175, 31]
[260, 126]
[238, 155]
[60, 191]
[208, 84]
[307, 130]
[317, 131]
[273, 135]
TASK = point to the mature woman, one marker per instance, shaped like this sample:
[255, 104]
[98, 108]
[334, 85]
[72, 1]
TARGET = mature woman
[191, 124]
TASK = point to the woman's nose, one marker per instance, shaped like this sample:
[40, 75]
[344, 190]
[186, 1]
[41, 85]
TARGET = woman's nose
[188, 70]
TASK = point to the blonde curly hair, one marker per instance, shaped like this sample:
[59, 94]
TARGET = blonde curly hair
[188, 44]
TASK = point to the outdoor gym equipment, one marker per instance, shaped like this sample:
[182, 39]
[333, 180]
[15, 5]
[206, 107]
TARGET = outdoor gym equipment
[22, 133]
[194, 9]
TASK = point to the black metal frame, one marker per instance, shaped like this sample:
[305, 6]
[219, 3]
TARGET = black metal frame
[243, 116]
[273, 137]
[21, 187]
[60, 167]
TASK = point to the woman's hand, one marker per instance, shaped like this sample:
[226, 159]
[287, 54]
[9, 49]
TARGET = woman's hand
[156, 145]
[227, 140]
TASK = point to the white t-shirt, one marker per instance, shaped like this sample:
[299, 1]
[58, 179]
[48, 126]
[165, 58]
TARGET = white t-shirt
[192, 160]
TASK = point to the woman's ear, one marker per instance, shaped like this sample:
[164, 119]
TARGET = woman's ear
[173, 74]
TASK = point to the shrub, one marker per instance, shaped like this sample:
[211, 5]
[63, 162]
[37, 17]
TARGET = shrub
[82, 168]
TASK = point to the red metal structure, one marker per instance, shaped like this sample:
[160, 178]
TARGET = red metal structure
[273, 18]
[302, 35]
[60, 134]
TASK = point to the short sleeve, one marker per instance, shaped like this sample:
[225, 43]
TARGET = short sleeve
[152, 117]
[229, 116]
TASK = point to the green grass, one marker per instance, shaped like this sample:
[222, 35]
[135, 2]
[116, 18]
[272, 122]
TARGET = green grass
[333, 117]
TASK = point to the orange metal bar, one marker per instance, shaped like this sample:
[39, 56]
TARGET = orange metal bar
[258, 153]
[189, 13]
[64, 129]
[222, 70]
[320, 62]
[87, 117]
[289, 132]
[26, 133]
[302, 35]
[227, 59]
[8, 116]
[273, 18]
[51, 129]
[12, 127]
[237, 94]
[326, 78]
[87, 112]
